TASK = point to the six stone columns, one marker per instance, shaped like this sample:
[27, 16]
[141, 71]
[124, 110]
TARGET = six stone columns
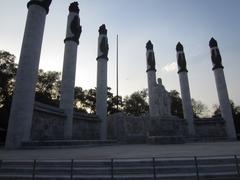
[101, 94]
[151, 74]
[20, 121]
[69, 67]
[185, 91]
[222, 91]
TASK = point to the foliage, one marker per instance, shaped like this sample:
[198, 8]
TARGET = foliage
[235, 113]
[8, 69]
[199, 109]
[136, 103]
[48, 87]
[176, 105]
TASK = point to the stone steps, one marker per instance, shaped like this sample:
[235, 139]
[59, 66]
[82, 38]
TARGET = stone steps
[64, 144]
[183, 168]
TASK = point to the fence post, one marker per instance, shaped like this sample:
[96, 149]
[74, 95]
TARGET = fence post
[154, 168]
[112, 169]
[237, 164]
[71, 171]
[196, 166]
[34, 169]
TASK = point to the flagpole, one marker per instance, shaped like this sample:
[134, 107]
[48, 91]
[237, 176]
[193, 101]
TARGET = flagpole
[117, 72]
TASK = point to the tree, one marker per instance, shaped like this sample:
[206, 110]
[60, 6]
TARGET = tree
[8, 69]
[136, 103]
[48, 87]
[235, 114]
[198, 108]
[91, 101]
[176, 105]
[80, 99]
[115, 103]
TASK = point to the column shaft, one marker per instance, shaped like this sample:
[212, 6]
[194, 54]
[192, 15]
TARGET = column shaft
[101, 96]
[69, 67]
[222, 91]
[20, 121]
[225, 106]
[186, 101]
[101, 92]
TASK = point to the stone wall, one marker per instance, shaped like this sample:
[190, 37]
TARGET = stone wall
[86, 126]
[48, 124]
[210, 128]
[130, 129]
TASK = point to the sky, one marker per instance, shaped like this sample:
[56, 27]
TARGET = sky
[164, 22]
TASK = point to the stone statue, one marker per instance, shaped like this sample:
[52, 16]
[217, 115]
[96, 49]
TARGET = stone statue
[76, 28]
[181, 60]
[215, 54]
[163, 99]
[104, 42]
[151, 57]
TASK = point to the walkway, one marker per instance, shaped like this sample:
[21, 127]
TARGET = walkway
[126, 151]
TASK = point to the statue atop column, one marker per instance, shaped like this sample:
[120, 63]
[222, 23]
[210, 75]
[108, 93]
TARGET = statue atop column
[103, 48]
[151, 57]
[215, 54]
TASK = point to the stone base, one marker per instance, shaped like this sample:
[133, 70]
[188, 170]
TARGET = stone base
[64, 143]
[165, 140]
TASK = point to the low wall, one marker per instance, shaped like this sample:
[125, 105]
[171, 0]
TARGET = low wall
[132, 129]
[126, 128]
[48, 124]
[210, 128]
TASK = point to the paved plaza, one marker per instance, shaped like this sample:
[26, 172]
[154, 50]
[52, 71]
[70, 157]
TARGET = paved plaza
[126, 151]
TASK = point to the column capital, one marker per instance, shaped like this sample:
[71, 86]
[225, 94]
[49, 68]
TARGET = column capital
[74, 28]
[150, 57]
[103, 46]
[43, 3]
[215, 54]
[181, 60]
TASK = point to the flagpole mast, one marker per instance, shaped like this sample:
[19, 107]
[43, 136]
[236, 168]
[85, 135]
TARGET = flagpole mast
[117, 72]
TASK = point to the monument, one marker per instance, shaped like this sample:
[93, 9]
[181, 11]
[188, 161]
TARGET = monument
[69, 67]
[20, 121]
[222, 91]
[101, 94]
[185, 90]
[29, 121]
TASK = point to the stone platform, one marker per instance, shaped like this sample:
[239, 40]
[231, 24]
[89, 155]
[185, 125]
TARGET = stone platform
[65, 144]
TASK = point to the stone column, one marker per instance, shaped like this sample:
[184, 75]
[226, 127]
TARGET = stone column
[185, 91]
[151, 75]
[69, 67]
[222, 91]
[20, 121]
[101, 93]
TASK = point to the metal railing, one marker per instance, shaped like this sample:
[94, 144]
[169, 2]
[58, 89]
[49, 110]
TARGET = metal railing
[196, 166]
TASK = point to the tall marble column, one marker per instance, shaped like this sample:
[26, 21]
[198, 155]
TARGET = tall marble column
[101, 94]
[151, 75]
[222, 91]
[69, 67]
[20, 121]
[185, 91]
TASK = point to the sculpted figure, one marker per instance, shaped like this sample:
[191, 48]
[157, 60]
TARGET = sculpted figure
[163, 99]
